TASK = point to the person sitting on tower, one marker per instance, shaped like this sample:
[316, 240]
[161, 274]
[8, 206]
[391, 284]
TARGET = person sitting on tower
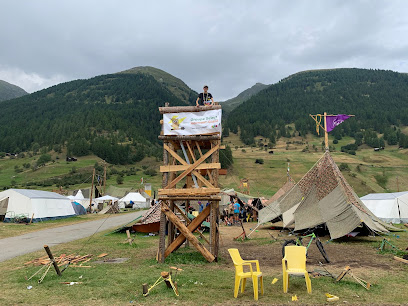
[205, 98]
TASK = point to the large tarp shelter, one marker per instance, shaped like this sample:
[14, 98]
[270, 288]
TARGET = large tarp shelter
[323, 196]
[134, 198]
[389, 207]
[43, 204]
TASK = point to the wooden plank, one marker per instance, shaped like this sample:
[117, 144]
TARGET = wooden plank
[401, 259]
[190, 229]
[191, 151]
[189, 191]
[192, 167]
[203, 166]
[190, 197]
[174, 154]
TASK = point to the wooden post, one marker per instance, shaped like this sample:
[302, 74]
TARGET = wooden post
[104, 179]
[47, 249]
[90, 198]
[162, 233]
[31, 220]
[170, 227]
[145, 290]
[128, 237]
[326, 135]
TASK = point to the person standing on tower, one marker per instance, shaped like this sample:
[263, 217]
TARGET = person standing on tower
[205, 98]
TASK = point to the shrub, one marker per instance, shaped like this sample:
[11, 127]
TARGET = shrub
[119, 179]
[150, 172]
[259, 161]
[344, 167]
[43, 159]
[335, 141]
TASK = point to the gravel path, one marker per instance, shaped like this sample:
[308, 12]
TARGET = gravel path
[27, 243]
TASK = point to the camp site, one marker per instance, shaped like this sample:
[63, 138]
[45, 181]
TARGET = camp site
[203, 152]
[312, 241]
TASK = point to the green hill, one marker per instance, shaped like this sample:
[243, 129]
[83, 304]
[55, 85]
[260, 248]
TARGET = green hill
[114, 116]
[9, 91]
[378, 98]
[175, 85]
[231, 104]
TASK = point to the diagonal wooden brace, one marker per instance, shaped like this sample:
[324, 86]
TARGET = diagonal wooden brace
[191, 167]
[187, 232]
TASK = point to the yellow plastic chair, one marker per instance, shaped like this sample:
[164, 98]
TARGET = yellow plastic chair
[239, 264]
[294, 263]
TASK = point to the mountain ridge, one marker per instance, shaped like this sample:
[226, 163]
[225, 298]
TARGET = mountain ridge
[10, 91]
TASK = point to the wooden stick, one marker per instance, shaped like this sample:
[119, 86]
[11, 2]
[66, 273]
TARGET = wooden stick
[47, 249]
[128, 237]
[31, 221]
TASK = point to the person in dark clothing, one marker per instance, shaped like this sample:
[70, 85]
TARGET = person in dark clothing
[205, 98]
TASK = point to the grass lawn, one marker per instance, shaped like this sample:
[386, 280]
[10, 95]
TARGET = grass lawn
[201, 282]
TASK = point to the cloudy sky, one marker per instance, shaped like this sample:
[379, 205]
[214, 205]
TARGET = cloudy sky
[229, 45]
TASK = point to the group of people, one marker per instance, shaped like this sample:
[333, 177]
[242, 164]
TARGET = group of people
[234, 212]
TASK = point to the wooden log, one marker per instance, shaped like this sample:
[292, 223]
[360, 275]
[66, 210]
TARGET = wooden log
[190, 191]
[162, 238]
[188, 231]
[190, 137]
[401, 259]
[190, 109]
[129, 239]
[145, 289]
[170, 227]
[47, 249]
[176, 168]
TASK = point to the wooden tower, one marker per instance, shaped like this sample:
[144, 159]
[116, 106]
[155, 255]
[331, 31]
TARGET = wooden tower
[190, 173]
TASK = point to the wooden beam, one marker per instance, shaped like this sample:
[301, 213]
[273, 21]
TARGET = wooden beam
[188, 221]
[189, 191]
[174, 154]
[190, 197]
[186, 233]
[191, 151]
[190, 109]
[176, 168]
[192, 167]
[208, 171]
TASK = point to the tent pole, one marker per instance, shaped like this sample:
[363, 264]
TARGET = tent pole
[326, 135]
[253, 230]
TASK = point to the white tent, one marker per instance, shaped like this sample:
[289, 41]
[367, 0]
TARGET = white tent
[106, 198]
[389, 207]
[43, 204]
[138, 200]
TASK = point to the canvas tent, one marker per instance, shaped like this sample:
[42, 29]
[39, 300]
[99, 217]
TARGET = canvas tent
[43, 204]
[136, 198]
[389, 207]
[106, 198]
[323, 196]
[78, 208]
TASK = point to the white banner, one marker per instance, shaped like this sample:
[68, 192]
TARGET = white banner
[192, 123]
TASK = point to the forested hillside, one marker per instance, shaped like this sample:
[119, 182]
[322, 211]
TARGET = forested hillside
[378, 99]
[9, 91]
[230, 104]
[114, 116]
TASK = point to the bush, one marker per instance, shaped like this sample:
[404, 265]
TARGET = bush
[259, 161]
[344, 167]
[335, 141]
[119, 179]
[150, 172]
[381, 180]
[243, 151]
[43, 159]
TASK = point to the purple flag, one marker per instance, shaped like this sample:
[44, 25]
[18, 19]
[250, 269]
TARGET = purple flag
[333, 121]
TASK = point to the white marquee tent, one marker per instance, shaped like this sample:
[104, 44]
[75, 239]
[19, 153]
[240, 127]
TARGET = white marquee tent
[43, 204]
[389, 207]
[138, 200]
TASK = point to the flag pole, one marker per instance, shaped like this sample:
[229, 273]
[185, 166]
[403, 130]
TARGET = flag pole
[326, 135]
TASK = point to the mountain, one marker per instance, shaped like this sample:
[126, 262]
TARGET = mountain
[377, 98]
[175, 85]
[229, 105]
[114, 116]
[9, 91]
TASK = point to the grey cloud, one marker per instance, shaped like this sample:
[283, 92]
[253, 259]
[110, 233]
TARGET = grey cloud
[229, 45]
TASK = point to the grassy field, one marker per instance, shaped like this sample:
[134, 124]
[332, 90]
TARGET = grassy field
[369, 171]
[201, 282]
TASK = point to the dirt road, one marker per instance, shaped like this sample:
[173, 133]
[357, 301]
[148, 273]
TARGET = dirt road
[27, 243]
